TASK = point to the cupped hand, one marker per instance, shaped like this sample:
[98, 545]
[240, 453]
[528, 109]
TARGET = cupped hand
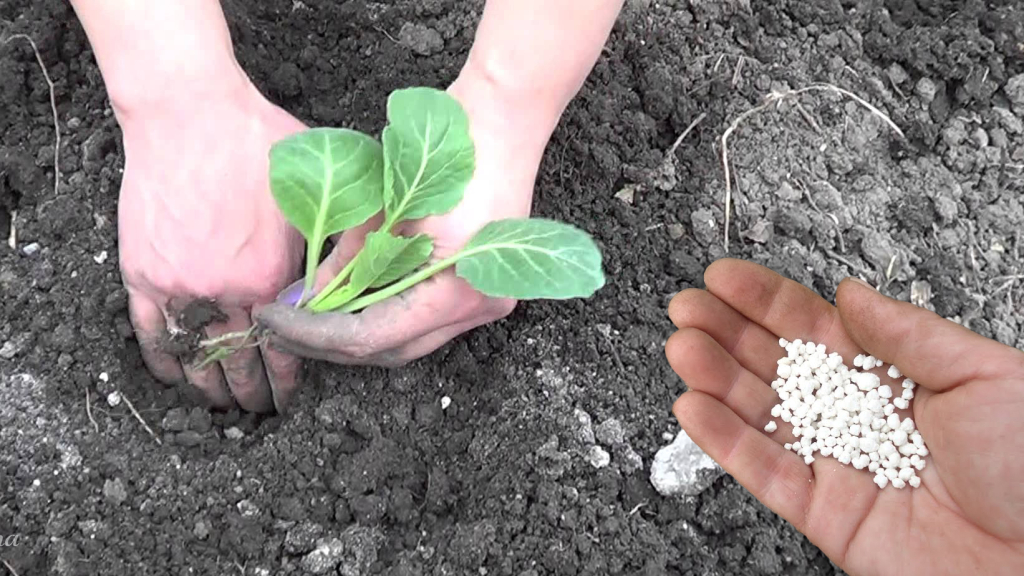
[196, 220]
[420, 320]
[968, 515]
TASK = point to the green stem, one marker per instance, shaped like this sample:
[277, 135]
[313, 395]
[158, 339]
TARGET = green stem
[389, 223]
[398, 287]
[333, 284]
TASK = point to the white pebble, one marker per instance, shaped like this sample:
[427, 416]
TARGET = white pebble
[771, 426]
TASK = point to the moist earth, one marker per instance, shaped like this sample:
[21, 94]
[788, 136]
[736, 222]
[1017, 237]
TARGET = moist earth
[368, 474]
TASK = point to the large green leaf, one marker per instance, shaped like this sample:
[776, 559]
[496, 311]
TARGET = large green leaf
[325, 181]
[383, 260]
[429, 156]
[531, 258]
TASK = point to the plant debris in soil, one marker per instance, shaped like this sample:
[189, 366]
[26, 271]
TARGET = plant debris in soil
[486, 457]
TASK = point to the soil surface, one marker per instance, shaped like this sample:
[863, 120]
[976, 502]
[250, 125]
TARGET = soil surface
[369, 465]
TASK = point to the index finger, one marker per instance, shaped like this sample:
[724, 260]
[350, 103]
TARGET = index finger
[784, 307]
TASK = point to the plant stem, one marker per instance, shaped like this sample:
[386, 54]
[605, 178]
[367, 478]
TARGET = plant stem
[333, 284]
[406, 283]
[345, 272]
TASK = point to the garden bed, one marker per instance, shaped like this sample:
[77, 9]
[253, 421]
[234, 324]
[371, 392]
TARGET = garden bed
[500, 481]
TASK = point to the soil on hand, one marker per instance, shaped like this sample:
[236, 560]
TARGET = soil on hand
[369, 474]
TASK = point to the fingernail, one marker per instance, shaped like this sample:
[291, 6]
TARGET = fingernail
[292, 293]
[861, 282]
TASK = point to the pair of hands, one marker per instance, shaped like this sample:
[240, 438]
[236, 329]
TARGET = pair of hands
[968, 515]
[196, 220]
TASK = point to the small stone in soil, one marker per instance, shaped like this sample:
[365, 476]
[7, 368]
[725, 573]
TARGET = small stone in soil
[114, 491]
[233, 433]
[201, 529]
[682, 468]
[598, 457]
[31, 249]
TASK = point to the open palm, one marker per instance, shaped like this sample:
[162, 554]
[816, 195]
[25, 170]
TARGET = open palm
[968, 515]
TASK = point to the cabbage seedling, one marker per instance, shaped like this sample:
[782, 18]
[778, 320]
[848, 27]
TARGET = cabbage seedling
[329, 180]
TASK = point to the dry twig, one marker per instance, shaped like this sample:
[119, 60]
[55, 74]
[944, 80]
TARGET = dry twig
[776, 98]
[9, 567]
[53, 106]
[139, 418]
[679, 140]
[88, 410]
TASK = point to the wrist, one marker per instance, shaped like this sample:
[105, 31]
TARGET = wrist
[160, 53]
[521, 114]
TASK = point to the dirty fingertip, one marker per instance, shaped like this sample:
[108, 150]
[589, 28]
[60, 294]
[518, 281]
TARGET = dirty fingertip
[283, 374]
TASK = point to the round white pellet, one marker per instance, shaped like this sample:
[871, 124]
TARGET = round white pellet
[858, 360]
[884, 391]
[771, 426]
[899, 437]
[894, 372]
[881, 480]
[784, 370]
[873, 466]
[915, 481]
[897, 483]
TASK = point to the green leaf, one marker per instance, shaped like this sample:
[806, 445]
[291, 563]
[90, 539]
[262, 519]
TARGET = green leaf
[531, 258]
[325, 181]
[429, 156]
[383, 260]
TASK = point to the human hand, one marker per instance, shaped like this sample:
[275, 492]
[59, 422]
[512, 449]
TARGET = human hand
[197, 221]
[968, 515]
[418, 321]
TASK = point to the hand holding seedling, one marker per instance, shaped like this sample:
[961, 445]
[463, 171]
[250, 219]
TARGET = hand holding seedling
[195, 215]
[450, 249]
[968, 515]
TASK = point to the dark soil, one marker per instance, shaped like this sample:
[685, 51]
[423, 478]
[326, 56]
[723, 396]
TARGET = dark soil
[499, 482]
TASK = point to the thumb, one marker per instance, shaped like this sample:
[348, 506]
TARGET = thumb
[934, 352]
